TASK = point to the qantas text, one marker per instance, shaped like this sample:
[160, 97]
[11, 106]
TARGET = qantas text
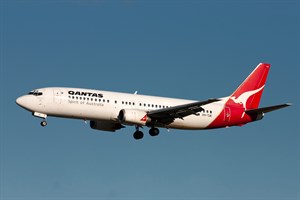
[86, 94]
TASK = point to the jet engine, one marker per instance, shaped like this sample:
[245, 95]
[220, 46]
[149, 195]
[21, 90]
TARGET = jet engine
[133, 117]
[105, 125]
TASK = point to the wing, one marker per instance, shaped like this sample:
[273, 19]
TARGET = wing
[168, 115]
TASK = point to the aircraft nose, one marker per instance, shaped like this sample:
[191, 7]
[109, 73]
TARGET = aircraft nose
[20, 101]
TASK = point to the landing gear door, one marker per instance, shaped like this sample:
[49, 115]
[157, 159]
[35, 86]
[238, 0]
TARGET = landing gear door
[57, 96]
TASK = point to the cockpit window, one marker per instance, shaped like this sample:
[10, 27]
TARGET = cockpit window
[35, 93]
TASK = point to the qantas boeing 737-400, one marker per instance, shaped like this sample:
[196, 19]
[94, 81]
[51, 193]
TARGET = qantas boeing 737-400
[110, 111]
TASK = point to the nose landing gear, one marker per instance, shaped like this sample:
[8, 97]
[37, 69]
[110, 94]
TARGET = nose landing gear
[41, 115]
[44, 123]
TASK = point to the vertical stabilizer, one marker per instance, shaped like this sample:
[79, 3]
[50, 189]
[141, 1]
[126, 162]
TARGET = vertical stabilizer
[249, 92]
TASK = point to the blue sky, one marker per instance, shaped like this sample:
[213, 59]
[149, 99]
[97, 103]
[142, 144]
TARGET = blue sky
[184, 49]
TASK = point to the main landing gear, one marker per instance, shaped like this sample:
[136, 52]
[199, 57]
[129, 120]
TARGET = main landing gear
[139, 134]
[154, 131]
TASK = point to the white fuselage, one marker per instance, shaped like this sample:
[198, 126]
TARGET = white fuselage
[111, 111]
[101, 105]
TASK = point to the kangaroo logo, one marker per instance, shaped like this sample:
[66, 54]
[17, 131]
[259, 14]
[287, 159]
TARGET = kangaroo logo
[144, 119]
[243, 98]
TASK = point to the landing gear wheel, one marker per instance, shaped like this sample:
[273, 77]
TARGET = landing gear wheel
[138, 135]
[43, 123]
[154, 131]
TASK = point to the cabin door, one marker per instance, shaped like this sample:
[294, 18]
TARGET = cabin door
[57, 96]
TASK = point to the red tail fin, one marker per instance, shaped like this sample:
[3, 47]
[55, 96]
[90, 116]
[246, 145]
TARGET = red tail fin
[250, 91]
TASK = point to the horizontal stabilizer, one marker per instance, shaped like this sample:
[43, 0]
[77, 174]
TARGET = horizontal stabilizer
[266, 109]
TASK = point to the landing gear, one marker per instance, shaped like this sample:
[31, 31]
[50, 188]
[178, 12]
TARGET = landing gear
[154, 131]
[43, 123]
[41, 115]
[138, 134]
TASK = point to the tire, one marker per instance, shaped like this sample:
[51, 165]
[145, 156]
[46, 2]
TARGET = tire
[138, 135]
[43, 123]
[154, 131]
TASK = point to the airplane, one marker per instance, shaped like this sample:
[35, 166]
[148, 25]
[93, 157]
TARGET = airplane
[111, 111]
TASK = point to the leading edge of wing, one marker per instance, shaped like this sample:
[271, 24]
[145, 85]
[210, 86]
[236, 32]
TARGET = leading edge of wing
[180, 111]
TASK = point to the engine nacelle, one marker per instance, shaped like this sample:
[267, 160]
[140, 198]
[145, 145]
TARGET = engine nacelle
[133, 117]
[105, 126]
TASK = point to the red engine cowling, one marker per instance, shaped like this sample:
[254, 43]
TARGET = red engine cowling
[133, 117]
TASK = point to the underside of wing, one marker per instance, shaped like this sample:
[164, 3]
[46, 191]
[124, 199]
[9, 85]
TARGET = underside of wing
[168, 115]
